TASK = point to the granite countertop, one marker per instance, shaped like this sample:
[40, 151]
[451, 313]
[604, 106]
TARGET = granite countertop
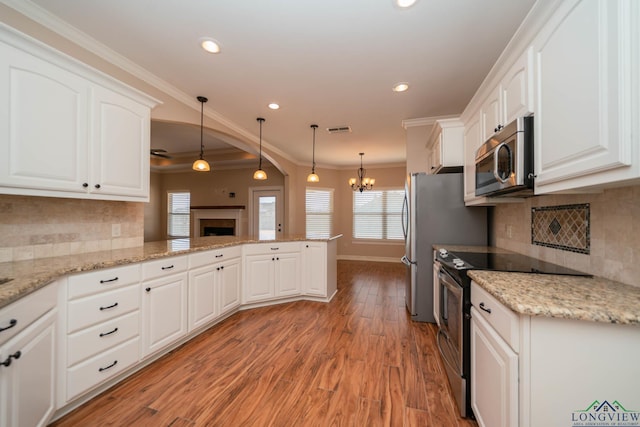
[29, 276]
[568, 297]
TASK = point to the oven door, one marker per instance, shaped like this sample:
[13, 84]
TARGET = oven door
[450, 338]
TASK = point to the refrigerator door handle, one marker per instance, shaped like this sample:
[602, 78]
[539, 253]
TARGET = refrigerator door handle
[406, 261]
[405, 215]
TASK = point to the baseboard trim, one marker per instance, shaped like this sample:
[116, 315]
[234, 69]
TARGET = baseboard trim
[366, 258]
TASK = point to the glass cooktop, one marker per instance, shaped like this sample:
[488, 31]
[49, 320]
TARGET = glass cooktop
[511, 262]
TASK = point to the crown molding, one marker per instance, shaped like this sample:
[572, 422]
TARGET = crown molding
[426, 121]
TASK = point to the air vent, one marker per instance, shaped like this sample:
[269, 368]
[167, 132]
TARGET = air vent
[339, 129]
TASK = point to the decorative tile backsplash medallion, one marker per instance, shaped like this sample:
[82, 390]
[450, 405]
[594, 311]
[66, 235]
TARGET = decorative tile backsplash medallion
[562, 227]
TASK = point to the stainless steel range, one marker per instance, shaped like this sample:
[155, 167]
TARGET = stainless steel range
[454, 309]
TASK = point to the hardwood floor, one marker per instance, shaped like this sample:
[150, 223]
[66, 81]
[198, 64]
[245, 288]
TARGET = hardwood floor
[357, 361]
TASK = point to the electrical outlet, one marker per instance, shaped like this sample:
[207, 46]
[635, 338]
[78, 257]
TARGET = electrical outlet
[115, 230]
[509, 231]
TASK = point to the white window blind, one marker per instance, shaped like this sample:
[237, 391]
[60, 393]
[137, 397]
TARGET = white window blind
[319, 209]
[377, 214]
[178, 206]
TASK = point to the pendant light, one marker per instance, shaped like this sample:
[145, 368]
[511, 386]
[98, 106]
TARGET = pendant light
[362, 183]
[260, 174]
[201, 164]
[312, 177]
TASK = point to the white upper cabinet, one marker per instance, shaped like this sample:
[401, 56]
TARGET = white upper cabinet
[67, 130]
[516, 89]
[471, 143]
[446, 145]
[587, 82]
[121, 145]
[512, 98]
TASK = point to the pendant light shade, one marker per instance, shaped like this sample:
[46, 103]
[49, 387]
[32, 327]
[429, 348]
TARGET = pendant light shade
[201, 164]
[260, 174]
[313, 177]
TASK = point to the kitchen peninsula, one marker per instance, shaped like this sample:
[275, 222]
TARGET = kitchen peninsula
[79, 324]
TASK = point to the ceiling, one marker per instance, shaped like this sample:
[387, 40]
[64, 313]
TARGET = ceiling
[330, 62]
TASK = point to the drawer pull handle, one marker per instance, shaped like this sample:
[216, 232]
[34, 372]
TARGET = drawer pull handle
[168, 268]
[109, 280]
[104, 334]
[115, 304]
[12, 323]
[15, 355]
[219, 256]
[483, 308]
[275, 249]
[115, 362]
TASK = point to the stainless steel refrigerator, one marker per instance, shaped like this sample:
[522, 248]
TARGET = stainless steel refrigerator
[434, 213]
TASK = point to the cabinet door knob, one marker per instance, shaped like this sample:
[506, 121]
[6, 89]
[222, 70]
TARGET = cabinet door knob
[97, 185]
[85, 185]
[148, 289]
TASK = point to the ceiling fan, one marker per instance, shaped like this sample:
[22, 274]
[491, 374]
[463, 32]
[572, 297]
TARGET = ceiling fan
[159, 152]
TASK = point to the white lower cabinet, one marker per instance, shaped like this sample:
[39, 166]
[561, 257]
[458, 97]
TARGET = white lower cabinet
[314, 258]
[214, 285]
[536, 371]
[271, 271]
[494, 376]
[27, 375]
[164, 312]
[100, 319]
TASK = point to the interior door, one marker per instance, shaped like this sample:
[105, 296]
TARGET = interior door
[267, 213]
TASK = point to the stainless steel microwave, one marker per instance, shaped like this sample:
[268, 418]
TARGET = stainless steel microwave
[504, 164]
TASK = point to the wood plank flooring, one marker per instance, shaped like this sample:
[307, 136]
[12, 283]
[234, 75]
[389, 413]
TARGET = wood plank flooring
[357, 361]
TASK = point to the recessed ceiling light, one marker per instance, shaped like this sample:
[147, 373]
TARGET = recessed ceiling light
[274, 106]
[405, 3]
[400, 87]
[210, 45]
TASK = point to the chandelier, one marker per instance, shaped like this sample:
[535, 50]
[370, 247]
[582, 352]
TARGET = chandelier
[361, 183]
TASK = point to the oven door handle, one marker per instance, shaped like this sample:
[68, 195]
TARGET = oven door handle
[446, 360]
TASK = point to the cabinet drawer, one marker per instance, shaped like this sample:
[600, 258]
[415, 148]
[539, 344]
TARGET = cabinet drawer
[164, 267]
[99, 308]
[200, 259]
[103, 280]
[269, 248]
[503, 320]
[100, 368]
[17, 316]
[98, 338]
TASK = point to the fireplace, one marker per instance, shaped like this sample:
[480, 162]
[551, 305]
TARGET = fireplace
[213, 221]
[217, 227]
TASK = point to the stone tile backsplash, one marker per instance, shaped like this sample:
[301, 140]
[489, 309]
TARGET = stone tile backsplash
[43, 227]
[614, 232]
[563, 227]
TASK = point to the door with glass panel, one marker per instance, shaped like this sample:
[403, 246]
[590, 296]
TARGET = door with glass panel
[267, 213]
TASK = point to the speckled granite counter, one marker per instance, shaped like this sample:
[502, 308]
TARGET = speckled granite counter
[569, 297]
[28, 276]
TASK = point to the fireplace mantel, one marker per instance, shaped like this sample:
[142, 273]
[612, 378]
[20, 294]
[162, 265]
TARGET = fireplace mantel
[216, 212]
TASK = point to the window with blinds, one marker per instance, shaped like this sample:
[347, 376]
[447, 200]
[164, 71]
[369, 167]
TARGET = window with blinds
[319, 210]
[377, 214]
[178, 213]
